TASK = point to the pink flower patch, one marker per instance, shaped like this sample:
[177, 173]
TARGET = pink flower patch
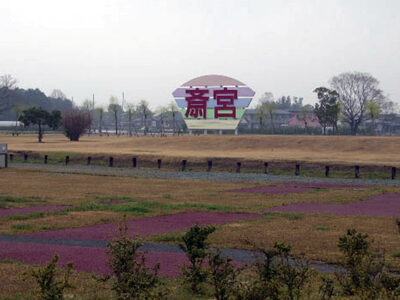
[147, 226]
[85, 259]
[379, 205]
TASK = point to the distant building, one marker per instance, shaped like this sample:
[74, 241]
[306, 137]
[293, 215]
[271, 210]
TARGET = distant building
[296, 120]
[11, 124]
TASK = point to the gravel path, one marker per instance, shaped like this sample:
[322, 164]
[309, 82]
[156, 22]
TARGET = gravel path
[219, 176]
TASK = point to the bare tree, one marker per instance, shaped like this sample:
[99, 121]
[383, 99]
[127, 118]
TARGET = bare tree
[305, 115]
[8, 81]
[17, 109]
[131, 111]
[7, 86]
[115, 109]
[88, 106]
[163, 112]
[265, 108]
[173, 110]
[100, 110]
[144, 110]
[58, 94]
[355, 90]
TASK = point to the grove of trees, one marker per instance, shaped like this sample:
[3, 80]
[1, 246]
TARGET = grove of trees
[353, 100]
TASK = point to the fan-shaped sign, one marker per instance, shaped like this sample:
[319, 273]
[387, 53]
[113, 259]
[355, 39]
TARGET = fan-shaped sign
[213, 102]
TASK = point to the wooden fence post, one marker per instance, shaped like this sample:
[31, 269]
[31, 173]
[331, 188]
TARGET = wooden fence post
[265, 168]
[89, 160]
[394, 171]
[159, 163]
[297, 171]
[134, 162]
[66, 160]
[238, 165]
[327, 171]
[357, 171]
[184, 162]
[46, 158]
[11, 157]
[209, 165]
[25, 157]
[111, 161]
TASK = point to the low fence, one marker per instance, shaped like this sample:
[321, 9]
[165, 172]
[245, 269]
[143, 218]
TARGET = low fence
[208, 164]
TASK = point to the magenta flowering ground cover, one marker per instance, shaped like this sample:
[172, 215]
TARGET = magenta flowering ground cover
[88, 259]
[27, 210]
[147, 226]
[294, 187]
[316, 185]
[378, 205]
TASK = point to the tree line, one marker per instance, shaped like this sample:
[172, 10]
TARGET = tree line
[33, 107]
[351, 99]
[13, 100]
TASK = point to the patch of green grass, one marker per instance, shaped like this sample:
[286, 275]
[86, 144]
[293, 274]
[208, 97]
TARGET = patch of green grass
[292, 215]
[12, 261]
[135, 208]
[34, 215]
[167, 196]
[169, 237]
[114, 198]
[143, 206]
[396, 254]
[323, 228]
[21, 226]
[203, 206]
[6, 200]
[318, 190]
[12, 199]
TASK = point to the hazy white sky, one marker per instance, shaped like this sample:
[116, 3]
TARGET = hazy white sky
[148, 48]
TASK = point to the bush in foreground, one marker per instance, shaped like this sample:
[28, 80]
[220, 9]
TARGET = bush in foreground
[49, 288]
[131, 279]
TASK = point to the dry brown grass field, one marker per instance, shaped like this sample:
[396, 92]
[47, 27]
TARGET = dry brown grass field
[82, 190]
[313, 236]
[315, 149]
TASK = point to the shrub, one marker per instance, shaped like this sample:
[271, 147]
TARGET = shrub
[278, 276]
[131, 278]
[194, 244]
[364, 273]
[223, 275]
[49, 287]
[327, 288]
[75, 122]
